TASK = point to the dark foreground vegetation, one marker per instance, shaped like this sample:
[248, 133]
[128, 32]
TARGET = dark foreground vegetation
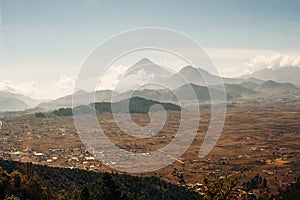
[28, 181]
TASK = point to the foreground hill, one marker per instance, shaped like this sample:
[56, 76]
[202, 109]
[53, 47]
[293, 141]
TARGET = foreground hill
[136, 105]
[131, 105]
[27, 181]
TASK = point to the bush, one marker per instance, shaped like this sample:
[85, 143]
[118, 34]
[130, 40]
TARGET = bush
[63, 112]
[40, 115]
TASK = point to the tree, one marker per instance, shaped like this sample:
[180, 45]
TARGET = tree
[179, 175]
[40, 115]
[4, 182]
[85, 193]
[63, 112]
[221, 188]
[265, 183]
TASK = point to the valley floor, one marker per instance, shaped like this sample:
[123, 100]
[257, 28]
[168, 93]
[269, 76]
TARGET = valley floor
[260, 137]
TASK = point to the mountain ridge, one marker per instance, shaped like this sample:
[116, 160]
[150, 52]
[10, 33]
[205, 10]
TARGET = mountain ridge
[14, 102]
[282, 75]
[255, 84]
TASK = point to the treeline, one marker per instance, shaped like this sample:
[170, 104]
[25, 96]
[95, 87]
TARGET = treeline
[26, 185]
[28, 181]
[132, 105]
[291, 191]
[63, 112]
[256, 183]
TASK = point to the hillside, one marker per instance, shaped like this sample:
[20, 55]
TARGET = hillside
[16, 102]
[27, 100]
[249, 85]
[157, 95]
[235, 90]
[201, 92]
[29, 181]
[272, 84]
[279, 90]
[136, 105]
[12, 104]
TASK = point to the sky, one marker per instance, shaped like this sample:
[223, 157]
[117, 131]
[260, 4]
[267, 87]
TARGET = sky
[44, 43]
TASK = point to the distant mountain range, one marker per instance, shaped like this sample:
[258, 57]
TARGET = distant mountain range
[12, 104]
[274, 89]
[268, 83]
[281, 75]
[197, 76]
[82, 96]
[268, 89]
[150, 68]
[15, 102]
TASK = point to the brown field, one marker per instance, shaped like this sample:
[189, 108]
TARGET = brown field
[264, 138]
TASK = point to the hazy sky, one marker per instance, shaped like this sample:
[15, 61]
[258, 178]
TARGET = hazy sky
[43, 43]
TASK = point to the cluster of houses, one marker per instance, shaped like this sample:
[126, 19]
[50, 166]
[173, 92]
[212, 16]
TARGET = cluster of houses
[78, 158]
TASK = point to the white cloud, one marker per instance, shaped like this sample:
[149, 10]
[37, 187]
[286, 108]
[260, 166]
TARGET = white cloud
[112, 75]
[134, 80]
[274, 61]
[66, 84]
[115, 78]
[25, 88]
[233, 62]
[236, 62]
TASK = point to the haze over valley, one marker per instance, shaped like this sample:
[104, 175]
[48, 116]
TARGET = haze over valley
[150, 100]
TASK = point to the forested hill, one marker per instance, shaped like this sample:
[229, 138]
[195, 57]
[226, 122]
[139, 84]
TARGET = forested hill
[28, 181]
[134, 105]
